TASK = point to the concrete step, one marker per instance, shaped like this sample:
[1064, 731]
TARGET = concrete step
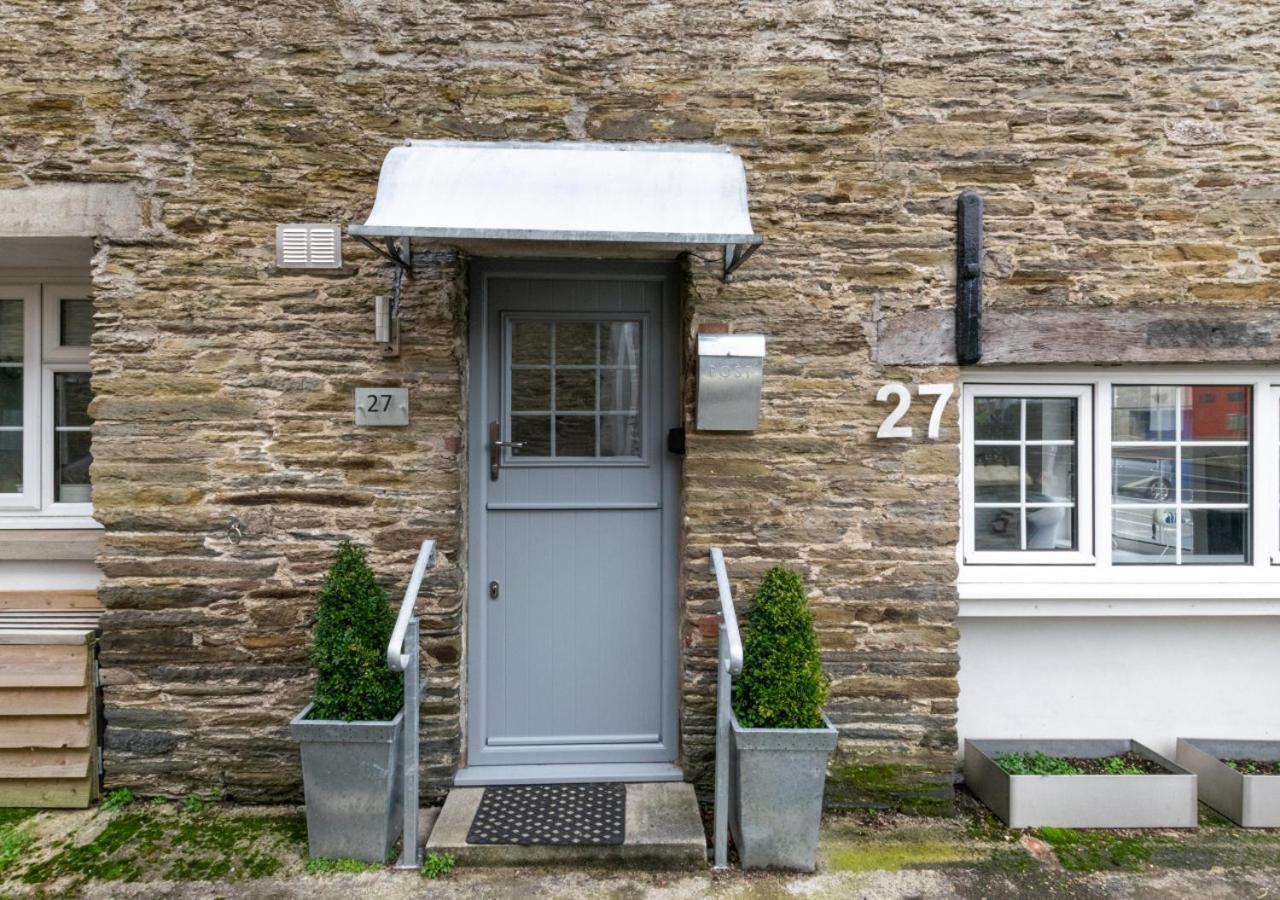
[664, 830]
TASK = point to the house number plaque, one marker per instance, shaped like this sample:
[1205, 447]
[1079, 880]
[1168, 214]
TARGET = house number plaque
[380, 406]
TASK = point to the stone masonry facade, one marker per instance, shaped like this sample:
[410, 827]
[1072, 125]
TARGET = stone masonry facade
[1126, 153]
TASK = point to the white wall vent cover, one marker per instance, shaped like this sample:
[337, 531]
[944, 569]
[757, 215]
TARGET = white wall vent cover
[308, 247]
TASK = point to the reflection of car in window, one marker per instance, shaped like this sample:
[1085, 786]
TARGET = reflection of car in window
[1150, 479]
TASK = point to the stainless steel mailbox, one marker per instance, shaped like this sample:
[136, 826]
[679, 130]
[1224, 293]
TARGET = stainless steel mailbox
[730, 372]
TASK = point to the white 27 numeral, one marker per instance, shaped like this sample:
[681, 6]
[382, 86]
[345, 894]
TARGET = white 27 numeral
[890, 428]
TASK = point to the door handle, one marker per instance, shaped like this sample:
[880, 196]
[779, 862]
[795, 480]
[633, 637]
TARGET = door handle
[495, 449]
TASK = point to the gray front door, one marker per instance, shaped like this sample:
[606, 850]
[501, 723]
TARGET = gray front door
[572, 636]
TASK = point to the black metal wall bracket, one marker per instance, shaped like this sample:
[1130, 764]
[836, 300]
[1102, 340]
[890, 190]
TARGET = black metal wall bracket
[392, 253]
[968, 278]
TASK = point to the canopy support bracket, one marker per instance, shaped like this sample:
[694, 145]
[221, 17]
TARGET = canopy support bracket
[392, 253]
[734, 256]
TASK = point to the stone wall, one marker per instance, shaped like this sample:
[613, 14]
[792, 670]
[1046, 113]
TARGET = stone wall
[1126, 154]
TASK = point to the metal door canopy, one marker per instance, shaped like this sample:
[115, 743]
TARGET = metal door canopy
[565, 199]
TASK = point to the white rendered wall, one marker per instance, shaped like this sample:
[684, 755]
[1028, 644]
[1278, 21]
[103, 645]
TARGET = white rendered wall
[1150, 678]
[52, 575]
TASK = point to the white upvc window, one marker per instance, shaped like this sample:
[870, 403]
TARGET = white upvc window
[1026, 474]
[44, 405]
[1175, 493]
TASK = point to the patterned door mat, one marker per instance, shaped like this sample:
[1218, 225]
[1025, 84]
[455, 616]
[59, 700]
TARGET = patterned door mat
[557, 814]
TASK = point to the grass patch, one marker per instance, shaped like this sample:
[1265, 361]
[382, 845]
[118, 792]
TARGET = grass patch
[152, 844]
[1096, 851]
[320, 865]
[438, 865]
[15, 836]
[118, 799]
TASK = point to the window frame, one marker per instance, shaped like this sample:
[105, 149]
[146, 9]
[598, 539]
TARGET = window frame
[29, 498]
[1084, 552]
[42, 357]
[48, 424]
[51, 348]
[1191, 588]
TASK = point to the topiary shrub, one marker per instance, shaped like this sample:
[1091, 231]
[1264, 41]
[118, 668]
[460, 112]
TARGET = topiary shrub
[782, 684]
[349, 644]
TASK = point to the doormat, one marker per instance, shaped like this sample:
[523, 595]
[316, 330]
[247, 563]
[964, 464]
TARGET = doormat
[556, 814]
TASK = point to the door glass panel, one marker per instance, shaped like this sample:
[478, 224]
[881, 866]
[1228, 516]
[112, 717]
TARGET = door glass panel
[575, 390]
[530, 390]
[71, 452]
[620, 435]
[585, 376]
[531, 343]
[621, 345]
[575, 343]
[532, 431]
[75, 321]
[575, 435]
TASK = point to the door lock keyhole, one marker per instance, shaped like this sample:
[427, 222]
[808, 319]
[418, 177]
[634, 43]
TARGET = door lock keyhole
[494, 590]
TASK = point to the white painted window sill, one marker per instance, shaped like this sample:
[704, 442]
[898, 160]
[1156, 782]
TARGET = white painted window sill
[42, 523]
[1070, 600]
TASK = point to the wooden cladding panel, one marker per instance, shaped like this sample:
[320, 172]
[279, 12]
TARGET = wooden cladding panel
[28, 763]
[49, 600]
[73, 701]
[18, 732]
[48, 793]
[36, 665]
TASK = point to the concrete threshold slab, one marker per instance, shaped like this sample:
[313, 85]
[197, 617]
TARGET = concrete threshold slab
[664, 830]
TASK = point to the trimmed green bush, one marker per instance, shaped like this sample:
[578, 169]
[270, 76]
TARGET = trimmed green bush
[782, 684]
[349, 644]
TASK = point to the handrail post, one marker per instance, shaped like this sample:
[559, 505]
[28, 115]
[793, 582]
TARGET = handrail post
[728, 664]
[724, 701]
[405, 634]
[409, 858]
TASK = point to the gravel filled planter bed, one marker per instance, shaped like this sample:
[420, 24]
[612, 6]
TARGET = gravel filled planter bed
[1145, 791]
[1240, 779]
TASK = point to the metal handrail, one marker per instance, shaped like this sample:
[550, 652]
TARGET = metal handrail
[729, 663]
[397, 659]
[727, 613]
[405, 634]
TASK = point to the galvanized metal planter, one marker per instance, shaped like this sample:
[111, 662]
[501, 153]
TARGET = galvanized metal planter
[778, 777]
[1249, 800]
[351, 774]
[1080, 801]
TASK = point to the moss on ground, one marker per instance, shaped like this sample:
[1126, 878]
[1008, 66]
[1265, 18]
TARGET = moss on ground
[892, 855]
[157, 843]
[884, 785]
[1098, 851]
